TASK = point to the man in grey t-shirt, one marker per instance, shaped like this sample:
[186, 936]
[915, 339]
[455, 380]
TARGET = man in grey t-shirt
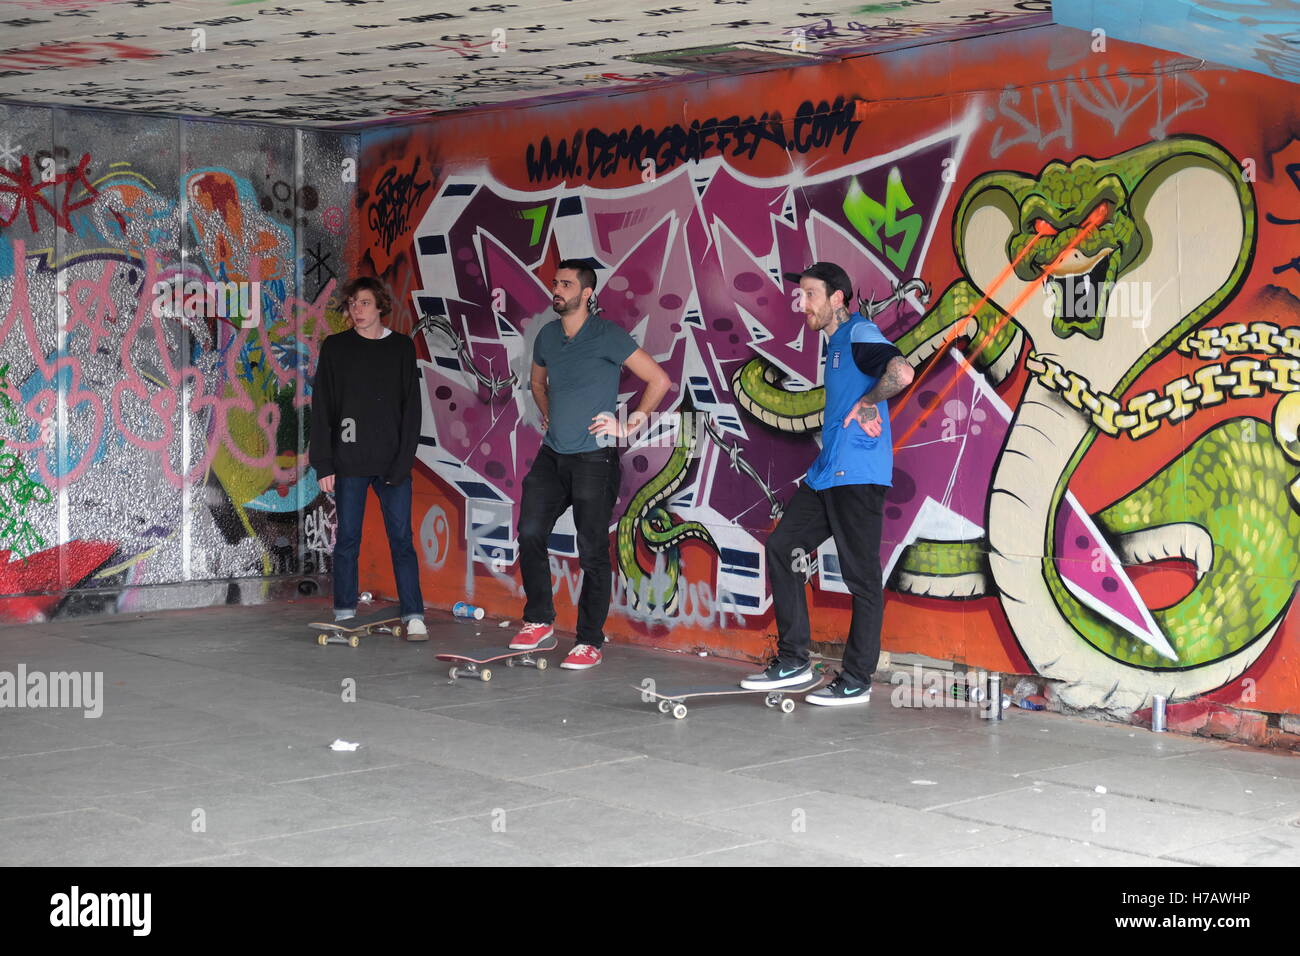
[577, 362]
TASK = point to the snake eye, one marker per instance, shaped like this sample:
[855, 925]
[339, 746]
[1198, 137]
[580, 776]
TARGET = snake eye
[1043, 227]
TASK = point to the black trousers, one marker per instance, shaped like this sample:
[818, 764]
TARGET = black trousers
[852, 515]
[589, 482]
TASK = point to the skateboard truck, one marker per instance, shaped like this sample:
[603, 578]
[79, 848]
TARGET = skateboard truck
[338, 633]
[485, 674]
[470, 665]
[774, 698]
[674, 702]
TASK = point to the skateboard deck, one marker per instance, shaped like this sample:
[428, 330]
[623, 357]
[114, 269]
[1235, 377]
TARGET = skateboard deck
[674, 700]
[351, 631]
[486, 655]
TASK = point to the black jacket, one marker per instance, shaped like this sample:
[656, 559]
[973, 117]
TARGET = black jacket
[365, 413]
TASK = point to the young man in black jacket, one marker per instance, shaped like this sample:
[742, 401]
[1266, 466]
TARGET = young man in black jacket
[365, 426]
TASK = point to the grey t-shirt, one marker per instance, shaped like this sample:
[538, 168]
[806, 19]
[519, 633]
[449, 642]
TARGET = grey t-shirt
[582, 376]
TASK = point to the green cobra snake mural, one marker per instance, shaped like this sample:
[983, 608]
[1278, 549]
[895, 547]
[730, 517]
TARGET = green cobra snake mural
[1175, 218]
[655, 591]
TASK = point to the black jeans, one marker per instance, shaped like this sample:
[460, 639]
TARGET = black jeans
[589, 482]
[852, 514]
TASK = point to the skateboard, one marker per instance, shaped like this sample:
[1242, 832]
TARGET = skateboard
[486, 655]
[674, 701]
[351, 631]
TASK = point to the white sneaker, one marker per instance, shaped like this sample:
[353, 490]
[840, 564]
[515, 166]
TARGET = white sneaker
[415, 630]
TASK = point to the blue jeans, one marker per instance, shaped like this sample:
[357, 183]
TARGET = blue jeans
[395, 503]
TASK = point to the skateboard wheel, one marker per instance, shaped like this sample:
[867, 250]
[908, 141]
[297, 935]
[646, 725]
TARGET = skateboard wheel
[452, 673]
[664, 706]
[679, 711]
[397, 630]
[322, 639]
[510, 662]
[541, 664]
[772, 700]
[787, 705]
[353, 641]
[487, 674]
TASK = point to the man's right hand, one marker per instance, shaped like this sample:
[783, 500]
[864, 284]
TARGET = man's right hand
[327, 484]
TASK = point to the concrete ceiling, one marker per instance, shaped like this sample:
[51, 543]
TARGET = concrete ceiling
[339, 62]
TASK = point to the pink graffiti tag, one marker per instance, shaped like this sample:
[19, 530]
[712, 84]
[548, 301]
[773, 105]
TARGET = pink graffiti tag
[147, 409]
[45, 403]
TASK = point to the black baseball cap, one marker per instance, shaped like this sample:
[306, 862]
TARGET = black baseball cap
[831, 274]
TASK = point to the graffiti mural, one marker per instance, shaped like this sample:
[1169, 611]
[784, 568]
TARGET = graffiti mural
[699, 241]
[150, 438]
[1097, 475]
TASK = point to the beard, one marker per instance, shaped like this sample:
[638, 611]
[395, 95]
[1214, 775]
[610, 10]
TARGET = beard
[564, 306]
[820, 320]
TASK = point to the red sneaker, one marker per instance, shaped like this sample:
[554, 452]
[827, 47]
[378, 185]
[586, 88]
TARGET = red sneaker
[582, 657]
[531, 636]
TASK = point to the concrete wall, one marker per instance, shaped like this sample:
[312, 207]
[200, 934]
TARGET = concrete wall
[1096, 490]
[157, 457]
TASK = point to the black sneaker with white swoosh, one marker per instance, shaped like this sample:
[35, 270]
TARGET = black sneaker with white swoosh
[841, 691]
[779, 674]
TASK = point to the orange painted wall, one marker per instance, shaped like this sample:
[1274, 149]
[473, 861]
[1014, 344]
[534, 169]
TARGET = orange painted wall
[1026, 99]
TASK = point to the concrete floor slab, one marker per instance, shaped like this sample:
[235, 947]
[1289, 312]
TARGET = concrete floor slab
[275, 757]
[94, 837]
[580, 832]
[914, 780]
[234, 812]
[396, 842]
[427, 793]
[977, 749]
[1033, 851]
[101, 771]
[862, 830]
[760, 853]
[706, 743]
[1143, 827]
[1184, 781]
[1270, 846]
[231, 710]
[673, 789]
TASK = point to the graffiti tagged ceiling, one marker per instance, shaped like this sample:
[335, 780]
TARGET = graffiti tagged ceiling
[336, 62]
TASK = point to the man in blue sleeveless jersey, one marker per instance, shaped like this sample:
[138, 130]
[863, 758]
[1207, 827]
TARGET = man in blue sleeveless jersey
[842, 495]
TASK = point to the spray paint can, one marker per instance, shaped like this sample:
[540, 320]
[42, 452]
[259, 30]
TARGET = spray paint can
[461, 609]
[1158, 714]
[995, 701]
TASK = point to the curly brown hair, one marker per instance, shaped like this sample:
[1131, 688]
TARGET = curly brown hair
[383, 301]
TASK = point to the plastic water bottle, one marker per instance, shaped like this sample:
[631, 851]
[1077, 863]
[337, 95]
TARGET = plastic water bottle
[461, 609]
[1024, 690]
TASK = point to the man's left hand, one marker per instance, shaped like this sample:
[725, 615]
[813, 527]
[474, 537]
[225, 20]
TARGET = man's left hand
[866, 414]
[607, 424]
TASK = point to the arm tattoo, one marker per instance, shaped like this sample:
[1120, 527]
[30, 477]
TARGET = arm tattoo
[890, 383]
